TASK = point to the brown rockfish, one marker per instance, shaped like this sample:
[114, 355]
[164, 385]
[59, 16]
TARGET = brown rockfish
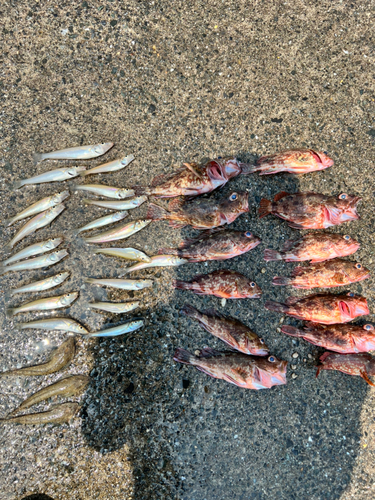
[362, 365]
[294, 161]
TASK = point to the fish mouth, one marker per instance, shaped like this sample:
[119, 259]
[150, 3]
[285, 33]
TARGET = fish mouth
[256, 295]
[263, 351]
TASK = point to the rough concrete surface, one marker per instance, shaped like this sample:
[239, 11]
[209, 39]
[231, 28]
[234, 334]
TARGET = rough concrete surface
[173, 81]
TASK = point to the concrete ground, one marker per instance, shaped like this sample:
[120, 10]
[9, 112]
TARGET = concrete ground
[172, 82]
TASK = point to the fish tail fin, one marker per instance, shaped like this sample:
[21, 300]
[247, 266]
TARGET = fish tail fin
[155, 212]
[183, 356]
[190, 311]
[270, 254]
[9, 312]
[248, 168]
[9, 222]
[181, 285]
[292, 331]
[276, 306]
[2, 269]
[8, 247]
[281, 280]
[37, 157]
[88, 201]
[18, 184]
[265, 208]
[89, 280]
[168, 251]
[138, 190]
[319, 368]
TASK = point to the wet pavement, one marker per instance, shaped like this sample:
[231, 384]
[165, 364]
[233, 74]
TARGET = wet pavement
[172, 82]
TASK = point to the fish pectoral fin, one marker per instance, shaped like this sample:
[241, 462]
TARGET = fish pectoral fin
[365, 377]
[280, 195]
[192, 168]
[208, 352]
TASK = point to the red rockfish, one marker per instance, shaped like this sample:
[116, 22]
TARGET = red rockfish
[316, 247]
[249, 372]
[339, 338]
[362, 365]
[201, 213]
[311, 210]
[294, 161]
[322, 308]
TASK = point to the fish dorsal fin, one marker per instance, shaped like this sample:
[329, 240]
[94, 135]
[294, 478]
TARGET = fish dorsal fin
[325, 356]
[292, 300]
[193, 168]
[202, 235]
[175, 205]
[208, 352]
[288, 245]
[162, 178]
[211, 311]
[280, 195]
[298, 271]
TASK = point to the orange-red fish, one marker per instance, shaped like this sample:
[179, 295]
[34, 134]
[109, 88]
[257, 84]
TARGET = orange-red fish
[362, 365]
[337, 272]
[311, 210]
[294, 161]
[316, 247]
[229, 330]
[322, 308]
[339, 338]
[193, 179]
[249, 372]
[222, 283]
[202, 213]
[215, 244]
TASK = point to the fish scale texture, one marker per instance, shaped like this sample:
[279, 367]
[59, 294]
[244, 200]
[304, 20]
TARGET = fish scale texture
[174, 82]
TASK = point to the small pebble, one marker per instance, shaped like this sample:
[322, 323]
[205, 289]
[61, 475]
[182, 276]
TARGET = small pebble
[295, 355]
[223, 302]
[278, 330]
[281, 320]
[263, 270]
[197, 352]
[293, 367]
[294, 375]
[310, 356]
[304, 360]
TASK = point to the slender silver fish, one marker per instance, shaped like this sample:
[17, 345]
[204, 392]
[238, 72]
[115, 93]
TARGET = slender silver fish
[46, 304]
[57, 175]
[108, 191]
[158, 261]
[103, 221]
[76, 153]
[118, 330]
[124, 253]
[120, 283]
[39, 206]
[60, 324]
[45, 284]
[111, 166]
[119, 232]
[37, 262]
[37, 222]
[115, 307]
[117, 205]
[36, 249]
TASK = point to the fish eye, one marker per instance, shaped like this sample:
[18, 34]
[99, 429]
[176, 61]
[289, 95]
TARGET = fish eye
[325, 152]
[347, 237]
[358, 266]
[252, 284]
[248, 234]
[343, 196]
[368, 327]
[219, 157]
[350, 294]
[261, 341]
[271, 359]
[233, 196]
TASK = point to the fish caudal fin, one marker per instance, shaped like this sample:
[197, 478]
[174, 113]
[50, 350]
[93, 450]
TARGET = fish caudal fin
[292, 331]
[9, 312]
[247, 168]
[270, 254]
[183, 356]
[276, 306]
[265, 208]
[17, 184]
[89, 280]
[190, 311]
[155, 212]
[138, 190]
[37, 157]
[281, 280]
[181, 285]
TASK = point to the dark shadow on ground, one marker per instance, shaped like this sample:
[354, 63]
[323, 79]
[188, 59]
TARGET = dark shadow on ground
[192, 437]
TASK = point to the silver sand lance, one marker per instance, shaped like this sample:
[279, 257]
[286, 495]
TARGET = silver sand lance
[57, 175]
[111, 166]
[75, 153]
[39, 206]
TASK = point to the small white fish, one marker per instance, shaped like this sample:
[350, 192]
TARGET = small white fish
[36, 263]
[37, 222]
[45, 284]
[39, 206]
[131, 326]
[61, 324]
[115, 307]
[46, 304]
[57, 175]
[108, 191]
[120, 283]
[111, 166]
[117, 205]
[124, 253]
[103, 221]
[36, 249]
[119, 233]
[76, 153]
[158, 261]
